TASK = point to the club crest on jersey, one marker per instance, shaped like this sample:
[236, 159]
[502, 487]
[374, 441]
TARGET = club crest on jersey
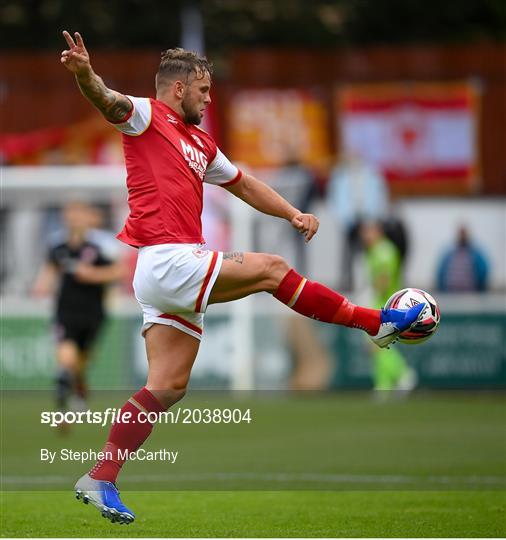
[200, 253]
[89, 254]
[197, 160]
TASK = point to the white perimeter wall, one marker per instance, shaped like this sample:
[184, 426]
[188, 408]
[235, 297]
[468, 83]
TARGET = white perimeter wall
[432, 226]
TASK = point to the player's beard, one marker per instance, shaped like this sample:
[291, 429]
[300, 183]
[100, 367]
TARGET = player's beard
[192, 114]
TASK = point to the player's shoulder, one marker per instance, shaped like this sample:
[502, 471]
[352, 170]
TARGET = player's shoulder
[162, 108]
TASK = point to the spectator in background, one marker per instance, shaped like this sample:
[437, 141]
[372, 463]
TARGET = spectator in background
[464, 267]
[384, 264]
[357, 193]
[81, 261]
[396, 232]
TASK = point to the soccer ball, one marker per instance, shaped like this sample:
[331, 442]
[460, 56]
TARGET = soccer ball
[429, 321]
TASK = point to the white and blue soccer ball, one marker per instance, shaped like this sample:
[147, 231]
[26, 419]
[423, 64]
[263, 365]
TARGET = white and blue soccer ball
[429, 321]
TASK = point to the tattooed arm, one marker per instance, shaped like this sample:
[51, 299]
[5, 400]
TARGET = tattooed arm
[113, 105]
[263, 198]
[236, 256]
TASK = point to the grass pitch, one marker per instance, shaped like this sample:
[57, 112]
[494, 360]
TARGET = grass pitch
[263, 514]
[306, 466]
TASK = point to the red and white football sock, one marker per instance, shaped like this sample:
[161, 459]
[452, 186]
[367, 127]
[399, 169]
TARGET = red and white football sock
[318, 302]
[127, 436]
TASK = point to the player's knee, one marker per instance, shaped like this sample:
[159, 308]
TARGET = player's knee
[276, 269]
[68, 355]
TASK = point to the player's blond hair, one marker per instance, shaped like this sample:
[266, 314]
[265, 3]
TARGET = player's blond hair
[179, 62]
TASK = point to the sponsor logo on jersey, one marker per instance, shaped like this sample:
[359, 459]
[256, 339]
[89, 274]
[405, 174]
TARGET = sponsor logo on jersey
[198, 141]
[197, 160]
[172, 119]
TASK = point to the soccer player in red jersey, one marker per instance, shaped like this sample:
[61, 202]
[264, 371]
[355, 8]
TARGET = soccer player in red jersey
[168, 157]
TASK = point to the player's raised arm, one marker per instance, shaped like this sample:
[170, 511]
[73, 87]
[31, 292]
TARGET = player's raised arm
[114, 106]
[263, 198]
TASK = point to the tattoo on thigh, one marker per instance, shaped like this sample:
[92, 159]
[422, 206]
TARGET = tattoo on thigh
[235, 256]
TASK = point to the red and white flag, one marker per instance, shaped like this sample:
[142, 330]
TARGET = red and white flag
[415, 133]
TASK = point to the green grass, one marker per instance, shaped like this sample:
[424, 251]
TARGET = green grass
[306, 466]
[264, 514]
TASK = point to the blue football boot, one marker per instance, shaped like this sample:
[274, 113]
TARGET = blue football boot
[394, 322]
[105, 496]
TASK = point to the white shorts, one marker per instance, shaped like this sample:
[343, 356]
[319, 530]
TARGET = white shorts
[172, 283]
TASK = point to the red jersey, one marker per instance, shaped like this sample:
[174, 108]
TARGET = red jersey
[167, 162]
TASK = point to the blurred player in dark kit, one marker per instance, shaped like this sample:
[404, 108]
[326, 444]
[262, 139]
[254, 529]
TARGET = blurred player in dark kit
[168, 158]
[82, 260]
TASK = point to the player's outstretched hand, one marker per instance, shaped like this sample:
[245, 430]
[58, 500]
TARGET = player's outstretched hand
[306, 224]
[76, 59]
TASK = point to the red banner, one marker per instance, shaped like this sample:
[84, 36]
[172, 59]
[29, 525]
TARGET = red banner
[90, 141]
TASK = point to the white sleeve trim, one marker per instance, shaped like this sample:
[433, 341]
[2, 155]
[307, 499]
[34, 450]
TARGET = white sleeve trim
[140, 118]
[221, 170]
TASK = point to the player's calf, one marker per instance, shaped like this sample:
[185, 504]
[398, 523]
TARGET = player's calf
[314, 300]
[127, 436]
[317, 301]
[167, 395]
[63, 387]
